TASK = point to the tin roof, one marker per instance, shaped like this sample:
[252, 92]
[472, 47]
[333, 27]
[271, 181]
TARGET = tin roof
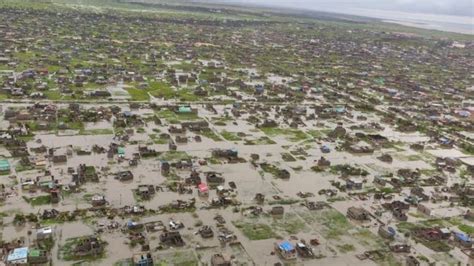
[4, 165]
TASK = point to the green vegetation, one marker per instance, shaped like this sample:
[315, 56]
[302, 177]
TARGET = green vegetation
[98, 131]
[334, 223]
[289, 223]
[466, 229]
[287, 157]
[230, 136]
[174, 156]
[176, 118]
[138, 94]
[293, 135]
[211, 135]
[368, 239]
[40, 200]
[260, 141]
[158, 139]
[66, 251]
[318, 134]
[255, 231]
[345, 248]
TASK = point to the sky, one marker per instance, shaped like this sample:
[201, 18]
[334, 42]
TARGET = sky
[442, 7]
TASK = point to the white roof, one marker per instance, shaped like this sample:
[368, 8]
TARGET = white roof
[467, 160]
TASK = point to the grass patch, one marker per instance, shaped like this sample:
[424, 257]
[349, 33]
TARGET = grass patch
[368, 239]
[174, 156]
[290, 224]
[230, 136]
[260, 141]
[138, 94]
[211, 135]
[53, 95]
[99, 131]
[287, 157]
[466, 229]
[66, 251]
[40, 200]
[293, 135]
[334, 224]
[345, 248]
[255, 231]
[175, 118]
[158, 140]
[318, 134]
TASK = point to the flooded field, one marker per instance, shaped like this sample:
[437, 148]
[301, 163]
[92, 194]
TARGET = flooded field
[156, 133]
[281, 164]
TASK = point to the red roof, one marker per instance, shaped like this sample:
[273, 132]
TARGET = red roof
[203, 187]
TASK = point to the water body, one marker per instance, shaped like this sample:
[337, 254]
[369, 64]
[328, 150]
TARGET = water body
[458, 24]
[450, 23]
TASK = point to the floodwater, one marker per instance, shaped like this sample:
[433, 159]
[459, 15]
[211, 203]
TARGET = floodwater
[249, 179]
[458, 24]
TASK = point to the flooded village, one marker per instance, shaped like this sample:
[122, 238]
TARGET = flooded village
[136, 133]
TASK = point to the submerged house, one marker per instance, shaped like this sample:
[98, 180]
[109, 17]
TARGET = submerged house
[143, 259]
[89, 246]
[18, 256]
[220, 260]
[286, 250]
[359, 214]
[463, 239]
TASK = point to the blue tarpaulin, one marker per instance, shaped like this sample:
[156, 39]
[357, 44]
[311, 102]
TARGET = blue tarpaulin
[18, 254]
[286, 246]
[463, 237]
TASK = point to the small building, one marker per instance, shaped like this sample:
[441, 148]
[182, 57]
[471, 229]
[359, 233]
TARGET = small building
[121, 151]
[286, 250]
[359, 214]
[277, 210]
[4, 167]
[142, 259]
[463, 239]
[325, 148]
[183, 109]
[124, 176]
[172, 238]
[59, 158]
[304, 250]
[165, 167]
[399, 214]
[220, 260]
[228, 153]
[44, 233]
[98, 200]
[412, 261]
[386, 232]
[18, 256]
[400, 248]
[145, 191]
[203, 190]
[354, 183]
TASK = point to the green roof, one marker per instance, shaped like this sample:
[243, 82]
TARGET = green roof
[184, 109]
[121, 150]
[4, 165]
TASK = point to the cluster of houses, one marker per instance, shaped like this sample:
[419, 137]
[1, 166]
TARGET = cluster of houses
[140, 118]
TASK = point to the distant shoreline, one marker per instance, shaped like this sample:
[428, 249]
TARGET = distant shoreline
[429, 27]
[445, 23]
